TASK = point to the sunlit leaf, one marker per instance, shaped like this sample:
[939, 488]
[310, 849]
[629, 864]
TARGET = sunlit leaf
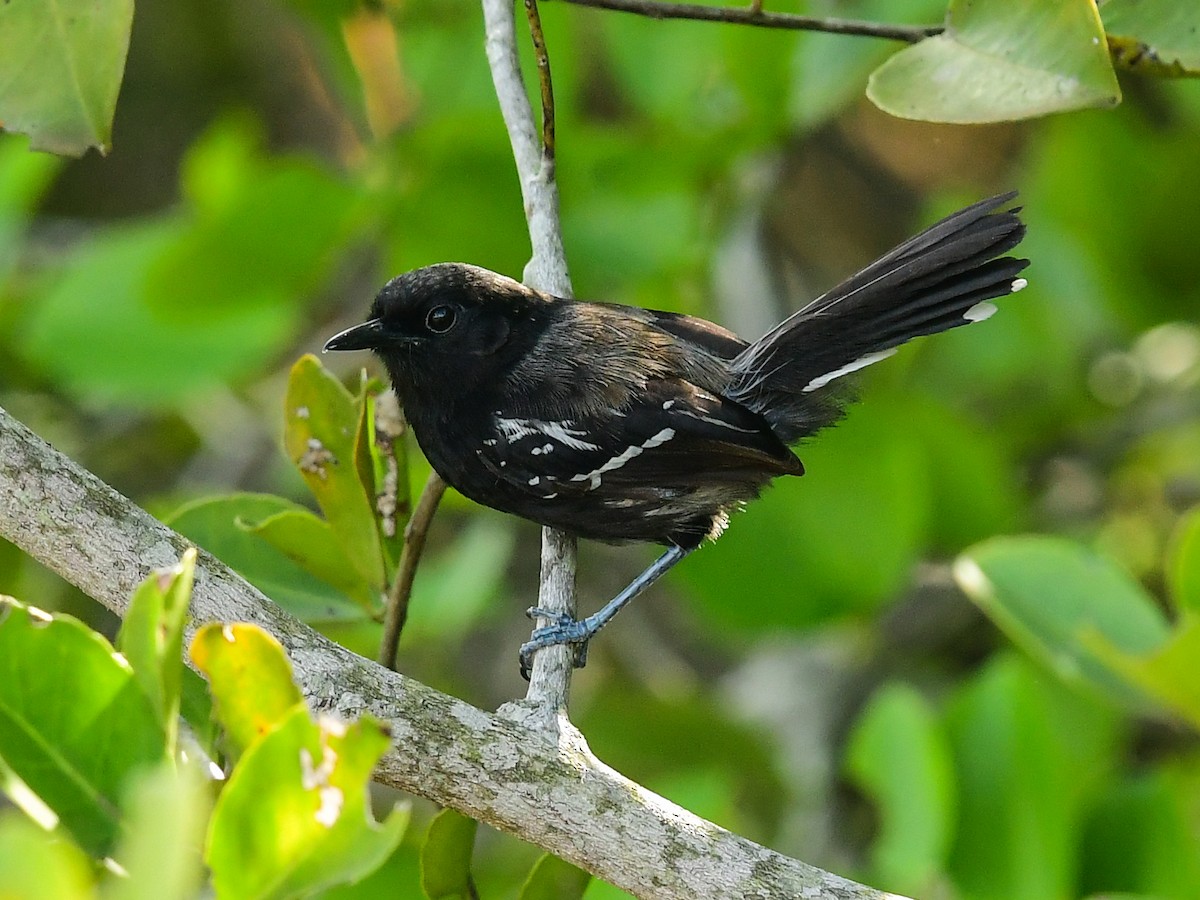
[999, 60]
[38, 865]
[828, 71]
[293, 817]
[1154, 37]
[61, 63]
[251, 679]
[73, 739]
[446, 856]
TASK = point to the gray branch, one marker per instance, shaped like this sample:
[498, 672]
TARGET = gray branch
[550, 680]
[531, 782]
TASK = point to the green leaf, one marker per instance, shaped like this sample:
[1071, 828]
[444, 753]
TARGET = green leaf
[151, 638]
[554, 879]
[166, 812]
[1154, 37]
[1054, 597]
[213, 524]
[446, 856]
[1183, 563]
[675, 742]
[24, 177]
[899, 756]
[322, 421]
[61, 63]
[455, 588]
[840, 540]
[230, 257]
[1028, 754]
[293, 817]
[195, 706]
[251, 679]
[73, 739]
[309, 542]
[1142, 835]
[1000, 60]
[160, 362]
[38, 865]
[1170, 674]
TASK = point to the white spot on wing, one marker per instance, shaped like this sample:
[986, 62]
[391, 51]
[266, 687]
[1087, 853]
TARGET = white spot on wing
[593, 477]
[516, 429]
[984, 309]
[861, 363]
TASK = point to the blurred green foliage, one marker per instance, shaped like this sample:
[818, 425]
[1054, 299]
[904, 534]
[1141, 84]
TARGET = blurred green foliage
[814, 681]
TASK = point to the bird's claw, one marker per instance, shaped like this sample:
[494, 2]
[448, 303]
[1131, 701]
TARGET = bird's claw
[562, 630]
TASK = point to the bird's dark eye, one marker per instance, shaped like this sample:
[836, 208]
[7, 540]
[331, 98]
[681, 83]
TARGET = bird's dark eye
[440, 319]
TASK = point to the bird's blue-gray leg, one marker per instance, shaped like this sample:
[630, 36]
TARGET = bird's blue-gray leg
[566, 630]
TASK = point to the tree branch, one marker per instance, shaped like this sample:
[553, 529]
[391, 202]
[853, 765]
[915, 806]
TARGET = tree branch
[754, 15]
[550, 679]
[529, 782]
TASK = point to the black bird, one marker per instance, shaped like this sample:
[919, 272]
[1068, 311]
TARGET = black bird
[618, 423]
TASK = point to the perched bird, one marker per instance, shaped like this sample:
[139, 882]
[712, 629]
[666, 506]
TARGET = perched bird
[618, 423]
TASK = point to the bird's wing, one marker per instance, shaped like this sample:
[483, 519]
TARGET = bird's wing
[673, 435]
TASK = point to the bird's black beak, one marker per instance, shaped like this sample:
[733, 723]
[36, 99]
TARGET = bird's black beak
[366, 336]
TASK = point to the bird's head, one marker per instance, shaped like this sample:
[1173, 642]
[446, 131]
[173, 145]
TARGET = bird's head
[446, 324]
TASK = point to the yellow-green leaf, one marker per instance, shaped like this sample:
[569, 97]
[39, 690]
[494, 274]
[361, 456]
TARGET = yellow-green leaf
[251, 680]
[293, 817]
[1000, 60]
[322, 424]
[61, 63]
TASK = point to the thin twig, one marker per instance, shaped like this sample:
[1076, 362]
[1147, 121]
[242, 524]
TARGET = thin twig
[415, 533]
[543, 67]
[754, 15]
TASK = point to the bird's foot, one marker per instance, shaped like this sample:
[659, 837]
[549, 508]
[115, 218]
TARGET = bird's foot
[562, 630]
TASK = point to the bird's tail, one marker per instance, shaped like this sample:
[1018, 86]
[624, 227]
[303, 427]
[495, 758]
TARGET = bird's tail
[940, 279]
